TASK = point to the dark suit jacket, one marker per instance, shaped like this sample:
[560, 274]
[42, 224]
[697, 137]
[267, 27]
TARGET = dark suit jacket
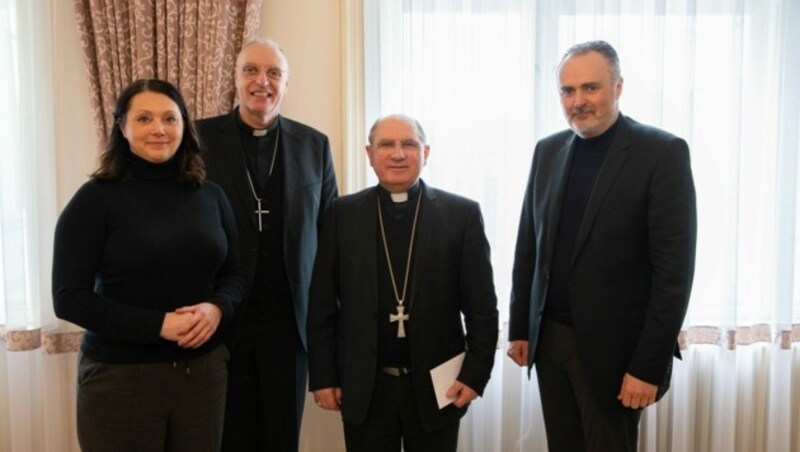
[452, 275]
[310, 186]
[633, 261]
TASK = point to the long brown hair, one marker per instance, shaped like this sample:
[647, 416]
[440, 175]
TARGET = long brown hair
[113, 161]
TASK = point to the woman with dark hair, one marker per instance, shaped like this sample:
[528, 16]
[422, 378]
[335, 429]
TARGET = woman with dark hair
[146, 261]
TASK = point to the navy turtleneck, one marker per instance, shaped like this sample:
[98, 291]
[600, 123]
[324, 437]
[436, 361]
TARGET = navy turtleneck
[587, 159]
[127, 252]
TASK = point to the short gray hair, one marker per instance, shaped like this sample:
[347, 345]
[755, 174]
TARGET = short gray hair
[268, 42]
[603, 48]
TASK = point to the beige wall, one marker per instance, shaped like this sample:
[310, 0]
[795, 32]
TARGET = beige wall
[309, 32]
[75, 139]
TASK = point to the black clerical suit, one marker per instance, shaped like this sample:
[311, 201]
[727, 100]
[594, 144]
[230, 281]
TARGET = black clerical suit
[450, 275]
[627, 279]
[268, 337]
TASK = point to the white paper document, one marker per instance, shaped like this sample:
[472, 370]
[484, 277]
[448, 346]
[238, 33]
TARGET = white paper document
[443, 376]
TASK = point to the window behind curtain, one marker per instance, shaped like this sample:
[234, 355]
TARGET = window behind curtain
[26, 164]
[465, 75]
[12, 280]
[481, 78]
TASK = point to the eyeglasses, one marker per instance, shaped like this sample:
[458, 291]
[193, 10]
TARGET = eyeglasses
[391, 145]
[275, 74]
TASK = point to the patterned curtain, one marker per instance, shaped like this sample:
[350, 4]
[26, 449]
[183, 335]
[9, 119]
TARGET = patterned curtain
[190, 43]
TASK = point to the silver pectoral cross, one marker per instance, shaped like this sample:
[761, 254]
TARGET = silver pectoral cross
[400, 318]
[259, 212]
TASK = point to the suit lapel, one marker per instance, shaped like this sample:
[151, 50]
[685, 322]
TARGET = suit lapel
[290, 156]
[367, 226]
[617, 155]
[559, 169]
[427, 231]
[237, 167]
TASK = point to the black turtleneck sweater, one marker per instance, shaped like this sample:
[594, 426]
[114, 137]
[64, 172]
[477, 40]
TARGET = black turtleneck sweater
[127, 252]
[587, 159]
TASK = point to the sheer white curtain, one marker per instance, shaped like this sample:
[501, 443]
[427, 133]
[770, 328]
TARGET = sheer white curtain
[35, 413]
[480, 76]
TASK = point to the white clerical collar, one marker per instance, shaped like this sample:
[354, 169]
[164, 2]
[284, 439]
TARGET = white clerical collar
[257, 132]
[399, 197]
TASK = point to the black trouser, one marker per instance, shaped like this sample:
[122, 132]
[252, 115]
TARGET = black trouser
[573, 417]
[393, 415]
[266, 389]
[153, 407]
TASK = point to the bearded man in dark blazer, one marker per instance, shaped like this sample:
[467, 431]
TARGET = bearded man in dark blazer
[398, 265]
[604, 261]
[278, 175]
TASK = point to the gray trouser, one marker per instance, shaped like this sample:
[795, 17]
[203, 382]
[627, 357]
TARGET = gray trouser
[152, 407]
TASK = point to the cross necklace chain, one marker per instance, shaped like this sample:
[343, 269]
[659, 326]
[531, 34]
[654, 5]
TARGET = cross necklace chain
[259, 210]
[401, 317]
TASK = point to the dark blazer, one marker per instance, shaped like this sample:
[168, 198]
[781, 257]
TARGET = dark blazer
[452, 274]
[310, 186]
[633, 261]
